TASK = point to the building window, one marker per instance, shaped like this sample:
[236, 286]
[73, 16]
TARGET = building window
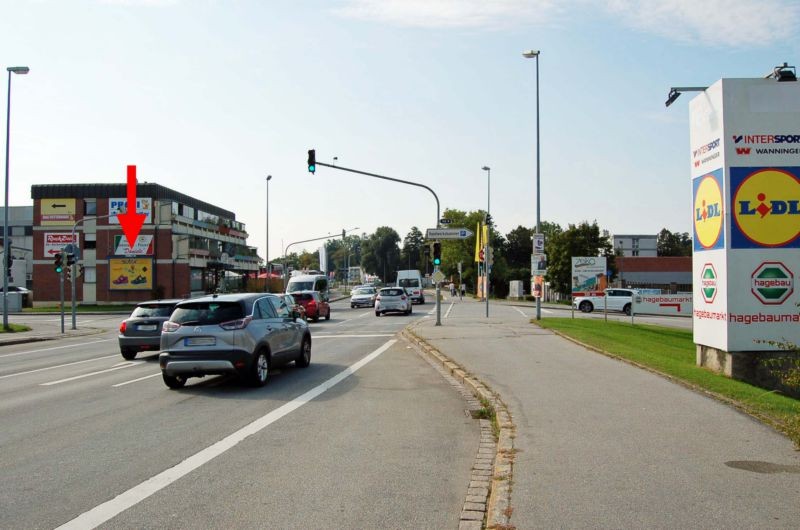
[90, 275]
[89, 244]
[90, 207]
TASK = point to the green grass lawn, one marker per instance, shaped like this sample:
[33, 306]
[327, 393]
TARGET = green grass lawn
[13, 328]
[80, 308]
[672, 352]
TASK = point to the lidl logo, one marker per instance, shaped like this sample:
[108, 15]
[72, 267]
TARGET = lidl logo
[708, 216]
[708, 283]
[766, 207]
[772, 283]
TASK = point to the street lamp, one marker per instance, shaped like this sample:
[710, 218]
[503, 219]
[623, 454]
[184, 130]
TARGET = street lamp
[266, 251]
[488, 171]
[534, 54]
[22, 70]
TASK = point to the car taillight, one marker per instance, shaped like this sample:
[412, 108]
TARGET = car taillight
[123, 327]
[312, 304]
[170, 326]
[236, 324]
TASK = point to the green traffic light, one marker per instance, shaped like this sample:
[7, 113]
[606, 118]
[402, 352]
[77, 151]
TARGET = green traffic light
[59, 269]
[311, 168]
[437, 261]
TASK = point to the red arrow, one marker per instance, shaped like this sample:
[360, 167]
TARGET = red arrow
[130, 220]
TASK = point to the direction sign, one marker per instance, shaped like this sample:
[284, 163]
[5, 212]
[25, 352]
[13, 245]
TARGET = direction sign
[445, 221]
[448, 233]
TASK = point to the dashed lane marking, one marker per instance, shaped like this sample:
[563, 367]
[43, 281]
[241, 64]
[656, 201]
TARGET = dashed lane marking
[136, 380]
[90, 374]
[53, 348]
[58, 366]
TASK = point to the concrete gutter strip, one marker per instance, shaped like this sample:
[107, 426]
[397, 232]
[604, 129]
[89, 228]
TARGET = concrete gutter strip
[488, 501]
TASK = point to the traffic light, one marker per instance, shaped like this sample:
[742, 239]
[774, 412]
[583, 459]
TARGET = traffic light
[437, 253]
[81, 270]
[58, 262]
[68, 274]
[70, 259]
[312, 160]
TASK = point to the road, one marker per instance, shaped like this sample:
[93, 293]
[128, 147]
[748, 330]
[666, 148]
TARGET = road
[388, 446]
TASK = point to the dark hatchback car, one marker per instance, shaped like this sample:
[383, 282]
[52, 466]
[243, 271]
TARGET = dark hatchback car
[142, 330]
[244, 334]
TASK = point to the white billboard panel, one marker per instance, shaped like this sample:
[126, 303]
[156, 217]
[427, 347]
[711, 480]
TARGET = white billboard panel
[120, 204]
[55, 241]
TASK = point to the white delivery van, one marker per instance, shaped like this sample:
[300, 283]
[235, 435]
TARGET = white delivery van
[411, 280]
[309, 282]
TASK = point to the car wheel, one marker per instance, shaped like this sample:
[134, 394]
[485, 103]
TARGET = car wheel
[377, 313]
[315, 318]
[128, 353]
[174, 382]
[328, 316]
[586, 307]
[259, 371]
[352, 306]
[304, 359]
[627, 309]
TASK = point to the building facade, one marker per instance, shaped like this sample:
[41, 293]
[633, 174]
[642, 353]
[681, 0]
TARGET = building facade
[637, 245]
[20, 233]
[186, 246]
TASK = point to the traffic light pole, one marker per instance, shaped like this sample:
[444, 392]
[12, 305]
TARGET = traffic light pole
[61, 292]
[435, 267]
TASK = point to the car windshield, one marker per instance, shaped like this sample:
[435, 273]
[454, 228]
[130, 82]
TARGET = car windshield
[364, 291]
[205, 313]
[392, 292]
[300, 286]
[149, 311]
[409, 282]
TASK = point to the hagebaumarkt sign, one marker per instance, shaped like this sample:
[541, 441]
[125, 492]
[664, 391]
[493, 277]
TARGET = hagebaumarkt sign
[708, 283]
[772, 283]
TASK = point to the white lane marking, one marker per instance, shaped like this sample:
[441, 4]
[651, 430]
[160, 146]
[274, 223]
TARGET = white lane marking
[58, 366]
[350, 336]
[547, 311]
[136, 380]
[111, 508]
[520, 311]
[90, 374]
[349, 319]
[449, 309]
[53, 348]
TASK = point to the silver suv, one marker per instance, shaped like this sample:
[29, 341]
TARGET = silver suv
[245, 334]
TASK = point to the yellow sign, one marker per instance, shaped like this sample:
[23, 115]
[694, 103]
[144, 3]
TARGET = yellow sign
[708, 212]
[57, 212]
[766, 206]
[130, 274]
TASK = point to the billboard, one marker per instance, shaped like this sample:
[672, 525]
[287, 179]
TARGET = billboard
[745, 152]
[54, 242]
[119, 205]
[57, 212]
[588, 275]
[130, 274]
[142, 247]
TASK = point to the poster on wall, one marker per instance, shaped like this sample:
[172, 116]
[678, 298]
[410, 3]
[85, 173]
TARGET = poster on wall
[57, 212]
[119, 205]
[54, 242]
[588, 275]
[142, 247]
[130, 274]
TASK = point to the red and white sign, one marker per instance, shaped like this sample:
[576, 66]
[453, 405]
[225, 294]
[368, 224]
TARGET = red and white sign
[54, 242]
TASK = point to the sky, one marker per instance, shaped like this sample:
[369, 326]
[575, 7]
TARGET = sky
[208, 97]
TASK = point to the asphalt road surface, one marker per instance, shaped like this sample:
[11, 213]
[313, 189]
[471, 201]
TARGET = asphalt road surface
[368, 436]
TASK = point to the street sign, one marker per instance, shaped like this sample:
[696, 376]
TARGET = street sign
[445, 221]
[438, 276]
[538, 243]
[448, 233]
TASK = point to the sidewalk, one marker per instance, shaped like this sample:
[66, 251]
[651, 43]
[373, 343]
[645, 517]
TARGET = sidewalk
[40, 332]
[600, 443]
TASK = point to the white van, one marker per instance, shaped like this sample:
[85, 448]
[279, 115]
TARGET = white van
[309, 282]
[411, 280]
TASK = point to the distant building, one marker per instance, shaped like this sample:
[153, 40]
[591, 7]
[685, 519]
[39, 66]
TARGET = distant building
[184, 247]
[20, 232]
[668, 273]
[636, 245]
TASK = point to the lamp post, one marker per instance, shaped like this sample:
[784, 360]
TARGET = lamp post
[22, 70]
[534, 54]
[488, 171]
[266, 251]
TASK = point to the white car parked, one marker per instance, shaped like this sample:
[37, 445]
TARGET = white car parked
[614, 300]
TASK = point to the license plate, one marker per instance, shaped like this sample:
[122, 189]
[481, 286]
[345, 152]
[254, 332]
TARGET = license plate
[199, 341]
[147, 327]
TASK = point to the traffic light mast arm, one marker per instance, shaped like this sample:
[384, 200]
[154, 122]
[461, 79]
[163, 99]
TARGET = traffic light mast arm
[389, 178]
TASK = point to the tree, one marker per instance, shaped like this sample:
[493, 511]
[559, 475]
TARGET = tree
[673, 244]
[380, 253]
[412, 255]
[582, 240]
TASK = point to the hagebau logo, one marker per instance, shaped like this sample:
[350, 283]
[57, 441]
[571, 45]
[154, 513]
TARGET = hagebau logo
[772, 283]
[708, 283]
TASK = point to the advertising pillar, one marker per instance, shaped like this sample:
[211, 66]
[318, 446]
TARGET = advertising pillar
[745, 170]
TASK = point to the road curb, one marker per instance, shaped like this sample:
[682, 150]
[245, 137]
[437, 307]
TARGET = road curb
[40, 338]
[496, 501]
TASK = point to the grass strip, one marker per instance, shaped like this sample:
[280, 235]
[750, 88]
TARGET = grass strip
[671, 351]
[14, 328]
